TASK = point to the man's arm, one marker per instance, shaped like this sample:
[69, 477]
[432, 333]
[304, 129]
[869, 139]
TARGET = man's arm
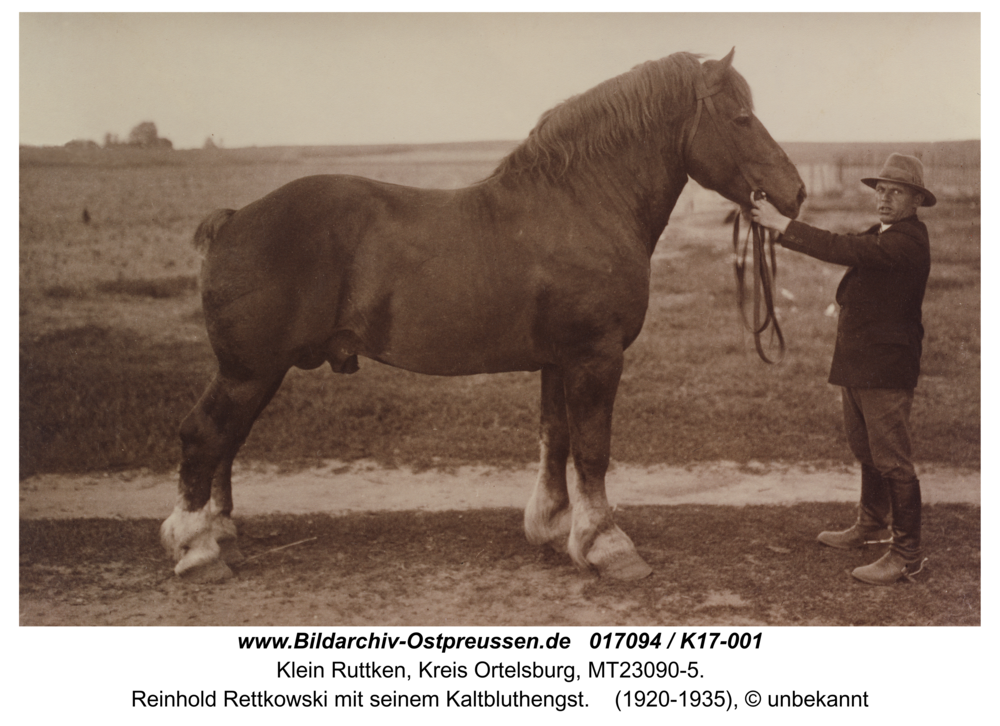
[901, 245]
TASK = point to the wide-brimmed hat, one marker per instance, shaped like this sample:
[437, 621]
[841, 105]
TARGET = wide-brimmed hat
[903, 169]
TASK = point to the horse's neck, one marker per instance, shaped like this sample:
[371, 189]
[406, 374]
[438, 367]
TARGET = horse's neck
[636, 186]
[641, 187]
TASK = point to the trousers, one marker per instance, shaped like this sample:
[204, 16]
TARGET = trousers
[877, 424]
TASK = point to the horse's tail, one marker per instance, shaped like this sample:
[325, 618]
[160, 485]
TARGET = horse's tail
[208, 230]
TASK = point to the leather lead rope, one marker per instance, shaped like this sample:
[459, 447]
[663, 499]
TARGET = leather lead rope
[765, 267]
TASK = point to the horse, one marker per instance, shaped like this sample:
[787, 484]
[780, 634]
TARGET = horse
[542, 266]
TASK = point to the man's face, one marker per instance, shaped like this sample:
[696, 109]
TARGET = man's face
[894, 202]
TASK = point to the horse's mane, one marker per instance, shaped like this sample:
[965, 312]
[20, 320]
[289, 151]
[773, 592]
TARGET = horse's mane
[612, 115]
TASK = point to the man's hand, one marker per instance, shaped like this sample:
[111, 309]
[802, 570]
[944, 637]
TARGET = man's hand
[764, 213]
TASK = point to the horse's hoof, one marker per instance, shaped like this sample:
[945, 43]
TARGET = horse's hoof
[214, 570]
[625, 568]
[224, 533]
[229, 552]
[203, 563]
[614, 556]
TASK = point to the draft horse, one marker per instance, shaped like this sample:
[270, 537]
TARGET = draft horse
[544, 265]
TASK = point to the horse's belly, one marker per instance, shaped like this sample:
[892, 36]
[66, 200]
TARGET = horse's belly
[454, 343]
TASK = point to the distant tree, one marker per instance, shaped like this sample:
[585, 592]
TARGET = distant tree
[145, 136]
[210, 143]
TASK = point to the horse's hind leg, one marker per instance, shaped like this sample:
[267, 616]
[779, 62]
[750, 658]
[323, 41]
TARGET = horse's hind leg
[595, 540]
[223, 529]
[210, 436]
[548, 516]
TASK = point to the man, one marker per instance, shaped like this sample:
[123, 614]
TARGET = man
[876, 359]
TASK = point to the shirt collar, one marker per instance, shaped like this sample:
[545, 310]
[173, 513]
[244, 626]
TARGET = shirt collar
[883, 227]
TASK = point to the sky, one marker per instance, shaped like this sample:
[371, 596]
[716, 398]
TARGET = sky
[261, 80]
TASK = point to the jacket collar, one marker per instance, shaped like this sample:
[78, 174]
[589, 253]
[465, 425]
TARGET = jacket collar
[879, 229]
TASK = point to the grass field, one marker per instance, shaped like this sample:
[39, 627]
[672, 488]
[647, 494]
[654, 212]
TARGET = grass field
[113, 353]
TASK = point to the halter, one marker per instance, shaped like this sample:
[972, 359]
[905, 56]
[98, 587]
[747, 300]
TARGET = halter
[762, 238]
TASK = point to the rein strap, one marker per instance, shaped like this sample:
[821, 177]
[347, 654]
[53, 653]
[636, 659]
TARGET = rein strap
[765, 268]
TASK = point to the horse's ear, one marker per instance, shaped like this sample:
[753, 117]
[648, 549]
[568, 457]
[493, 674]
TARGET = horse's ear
[714, 72]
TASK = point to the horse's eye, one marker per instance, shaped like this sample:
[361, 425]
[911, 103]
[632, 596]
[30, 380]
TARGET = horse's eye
[743, 120]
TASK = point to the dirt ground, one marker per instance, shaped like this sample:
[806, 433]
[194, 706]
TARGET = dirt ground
[372, 546]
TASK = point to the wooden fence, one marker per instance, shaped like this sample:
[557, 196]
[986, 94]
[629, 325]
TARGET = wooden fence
[951, 171]
[947, 182]
[951, 168]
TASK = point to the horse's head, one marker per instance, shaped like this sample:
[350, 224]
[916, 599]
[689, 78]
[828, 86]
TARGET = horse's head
[729, 151]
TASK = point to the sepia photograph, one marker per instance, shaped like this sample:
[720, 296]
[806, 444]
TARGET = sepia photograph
[574, 320]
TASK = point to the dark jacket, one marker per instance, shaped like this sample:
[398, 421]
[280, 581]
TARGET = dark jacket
[879, 331]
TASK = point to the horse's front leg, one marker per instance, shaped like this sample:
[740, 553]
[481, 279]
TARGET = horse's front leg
[548, 516]
[595, 540]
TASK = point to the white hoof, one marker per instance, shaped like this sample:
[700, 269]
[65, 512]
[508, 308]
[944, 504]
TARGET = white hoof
[208, 570]
[190, 539]
[614, 556]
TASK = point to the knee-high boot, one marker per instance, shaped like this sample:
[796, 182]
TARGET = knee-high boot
[875, 509]
[906, 514]
[905, 556]
[872, 524]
